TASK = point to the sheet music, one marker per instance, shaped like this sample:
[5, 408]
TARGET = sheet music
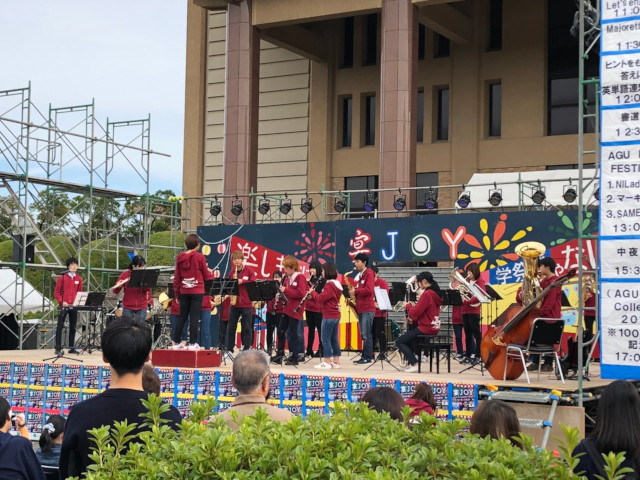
[382, 297]
[81, 299]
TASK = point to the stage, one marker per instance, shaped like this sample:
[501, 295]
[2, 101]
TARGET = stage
[41, 388]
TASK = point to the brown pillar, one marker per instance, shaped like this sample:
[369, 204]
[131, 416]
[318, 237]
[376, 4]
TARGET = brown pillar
[398, 114]
[240, 171]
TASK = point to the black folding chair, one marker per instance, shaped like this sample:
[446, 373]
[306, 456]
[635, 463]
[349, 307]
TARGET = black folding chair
[545, 339]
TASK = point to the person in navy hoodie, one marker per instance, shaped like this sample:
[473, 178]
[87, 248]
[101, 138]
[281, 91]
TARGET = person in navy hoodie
[188, 284]
[17, 458]
[67, 286]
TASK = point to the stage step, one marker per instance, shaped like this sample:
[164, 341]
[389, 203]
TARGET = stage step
[532, 397]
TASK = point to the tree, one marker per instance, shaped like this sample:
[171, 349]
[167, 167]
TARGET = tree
[160, 212]
[50, 211]
[106, 215]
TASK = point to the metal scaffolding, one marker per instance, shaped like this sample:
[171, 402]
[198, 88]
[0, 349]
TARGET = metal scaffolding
[44, 160]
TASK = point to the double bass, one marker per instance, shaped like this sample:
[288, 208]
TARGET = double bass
[513, 327]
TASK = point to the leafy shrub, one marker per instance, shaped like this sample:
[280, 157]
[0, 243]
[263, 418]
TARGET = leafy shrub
[353, 443]
[6, 251]
[164, 256]
[60, 244]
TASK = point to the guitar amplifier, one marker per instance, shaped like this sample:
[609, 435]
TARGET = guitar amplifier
[186, 358]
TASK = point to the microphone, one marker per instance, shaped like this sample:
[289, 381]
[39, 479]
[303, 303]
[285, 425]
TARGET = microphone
[64, 271]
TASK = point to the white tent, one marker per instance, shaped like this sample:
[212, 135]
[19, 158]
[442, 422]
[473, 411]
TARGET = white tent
[11, 300]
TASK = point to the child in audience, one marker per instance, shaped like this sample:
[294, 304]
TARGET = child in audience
[422, 400]
[494, 418]
[50, 441]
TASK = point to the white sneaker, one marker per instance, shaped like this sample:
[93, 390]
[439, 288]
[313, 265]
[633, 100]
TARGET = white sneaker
[335, 365]
[193, 346]
[323, 366]
[179, 346]
[423, 358]
[412, 369]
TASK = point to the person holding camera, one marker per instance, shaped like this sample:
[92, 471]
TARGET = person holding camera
[17, 458]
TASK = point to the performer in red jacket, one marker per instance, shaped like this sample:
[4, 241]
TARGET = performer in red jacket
[426, 314]
[67, 286]
[188, 283]
[471, 317]
[313, 312]
[136, 300]
[294, 288]
[365, 305]
[241, 305]
[329, 298]
[380, 317]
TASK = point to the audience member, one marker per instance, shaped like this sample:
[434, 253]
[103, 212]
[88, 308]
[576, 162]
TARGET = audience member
[126, 346]
[251, 377]
[385, 399]
[617, 430]
[51, 441]
[494, 418]
[150, 379]
[17, 458]
[422, 400]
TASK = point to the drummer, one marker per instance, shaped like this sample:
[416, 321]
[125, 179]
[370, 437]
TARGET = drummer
[137, 301]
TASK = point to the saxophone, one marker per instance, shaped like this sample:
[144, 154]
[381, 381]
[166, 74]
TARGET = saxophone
[530, 252]
[234, 298]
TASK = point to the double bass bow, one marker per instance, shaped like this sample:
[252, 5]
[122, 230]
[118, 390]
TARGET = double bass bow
[515, 329]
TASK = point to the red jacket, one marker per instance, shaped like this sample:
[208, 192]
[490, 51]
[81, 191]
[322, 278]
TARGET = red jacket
[418, 406]
[311, 305]
[467, 308]
[175, 307]
[385, 286]
[135, 298]
[275, 307]
[552, 303]
[426, 313]
[329, 299]
[365, 299]
[246, 274]
[206, 302]
[190, 273]
[224, 309]
[67, 287]
[456, 315]
[295, 289]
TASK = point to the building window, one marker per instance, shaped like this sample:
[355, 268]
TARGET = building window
[570, 166]
[495, 25]
[357, 199]
[562, 71]
[370, 56]
[495, 109]
[442, 119]
[369, 123]
[422, 38]
[346, 52]
[441, 46]
[346, 106]
[420, 120]
[428, 181]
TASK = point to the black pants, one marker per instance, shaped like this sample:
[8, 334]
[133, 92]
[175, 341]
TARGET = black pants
[314, 321]
[273, 320]
[282, 331]
[473, 336]
[190, 307]
[246, 318]
[73, 321]
[379, 334]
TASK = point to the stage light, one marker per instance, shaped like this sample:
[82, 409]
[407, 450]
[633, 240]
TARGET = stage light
[236, 207]
[265, 205]
[340, 204]
[306, 205]
[370, 202]
[431, 199]
[399, 201]
[596, 194]
[216, 208]
[538, 196]
[464, 199]
[569, 193]
[495, 197]
[285, 206]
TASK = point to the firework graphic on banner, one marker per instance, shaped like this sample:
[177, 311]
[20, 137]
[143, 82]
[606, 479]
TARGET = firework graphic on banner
[315, 246]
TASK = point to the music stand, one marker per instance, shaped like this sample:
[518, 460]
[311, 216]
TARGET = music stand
[261, 291]
[382, 293]
[564, 300]
[144, 278]
[92, 302]
[222, 286]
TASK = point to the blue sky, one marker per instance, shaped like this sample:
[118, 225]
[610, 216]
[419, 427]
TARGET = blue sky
[128, 55]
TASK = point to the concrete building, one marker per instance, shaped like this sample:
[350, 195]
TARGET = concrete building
[302, 95]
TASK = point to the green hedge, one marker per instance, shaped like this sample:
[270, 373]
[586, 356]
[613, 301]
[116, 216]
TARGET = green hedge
[164, 256]
[352, 443]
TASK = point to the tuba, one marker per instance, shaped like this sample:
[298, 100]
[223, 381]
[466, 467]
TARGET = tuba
[467, 289]
[529, 252]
